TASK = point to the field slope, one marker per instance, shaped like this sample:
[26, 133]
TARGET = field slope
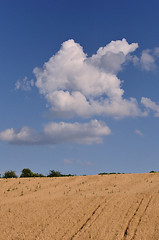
[109, 207]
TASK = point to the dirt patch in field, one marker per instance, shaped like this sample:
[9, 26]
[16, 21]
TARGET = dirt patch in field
[108, 207]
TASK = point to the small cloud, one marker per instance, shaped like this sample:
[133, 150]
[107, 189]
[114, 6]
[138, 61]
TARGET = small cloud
[147, 60]
[67, 161]
[138, 132]
[150, 105]
[86, 163]
[156, 51]
[58, 133]
[80, 162]
[24, 84]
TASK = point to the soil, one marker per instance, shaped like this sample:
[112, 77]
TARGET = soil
[107, 207]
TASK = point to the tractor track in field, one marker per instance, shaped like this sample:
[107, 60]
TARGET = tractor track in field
[138, 214]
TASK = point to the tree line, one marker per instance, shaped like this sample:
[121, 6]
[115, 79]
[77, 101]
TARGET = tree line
[26, 172]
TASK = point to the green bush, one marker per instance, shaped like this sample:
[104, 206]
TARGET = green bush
[104, 173]
[38, 175]
[54, 174]
[10, 174]
[26, 172]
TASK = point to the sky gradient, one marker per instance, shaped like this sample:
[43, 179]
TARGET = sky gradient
[80, 82]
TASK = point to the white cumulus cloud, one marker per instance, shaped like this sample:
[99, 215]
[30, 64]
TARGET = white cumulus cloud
[111, 57]
[74, 84]
[56, 133]
[149, 104]
[147, 60]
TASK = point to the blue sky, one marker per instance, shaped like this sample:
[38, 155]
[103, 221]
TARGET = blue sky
[67, 106]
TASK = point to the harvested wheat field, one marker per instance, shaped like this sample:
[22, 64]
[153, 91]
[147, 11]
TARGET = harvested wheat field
[124, 206]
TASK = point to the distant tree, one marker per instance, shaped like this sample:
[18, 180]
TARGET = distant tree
[38, 175]
[10, 174]
[67, 175]
[153, 172]
[71, 175]
[26, 172]
[54, 174]
[104, 173]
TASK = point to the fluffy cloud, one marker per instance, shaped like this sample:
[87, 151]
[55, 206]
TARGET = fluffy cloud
[148, 60]
[17, 136]
[77, 85]
[149, 104]
[74, 84]
[56, 133]
[111, 57]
